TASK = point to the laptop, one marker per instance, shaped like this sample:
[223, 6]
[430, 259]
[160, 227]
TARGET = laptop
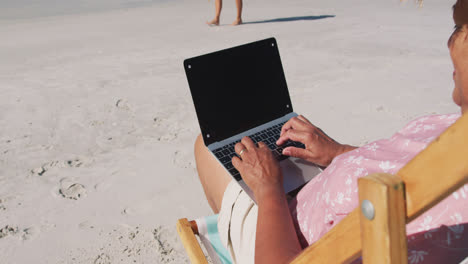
[242, 91]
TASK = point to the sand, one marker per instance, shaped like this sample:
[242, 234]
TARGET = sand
[97, 124]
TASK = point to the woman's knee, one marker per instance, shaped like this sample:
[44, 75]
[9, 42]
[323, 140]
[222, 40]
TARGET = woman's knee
[201, 160]
[199, 145]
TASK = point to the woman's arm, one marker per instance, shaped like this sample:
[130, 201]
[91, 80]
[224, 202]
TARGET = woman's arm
[319, 147]
[276, 239]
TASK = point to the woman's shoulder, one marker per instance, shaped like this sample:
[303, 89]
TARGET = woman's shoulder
[430, 123]
[397, 150]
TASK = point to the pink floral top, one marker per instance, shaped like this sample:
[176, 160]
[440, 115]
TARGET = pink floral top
[438, 236]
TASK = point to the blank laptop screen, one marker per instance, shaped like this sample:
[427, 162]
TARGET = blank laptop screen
[238, 89]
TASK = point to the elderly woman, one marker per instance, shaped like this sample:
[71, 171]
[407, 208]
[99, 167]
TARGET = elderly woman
[276, 230]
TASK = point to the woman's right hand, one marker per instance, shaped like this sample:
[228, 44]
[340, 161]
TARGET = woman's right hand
[319, 147]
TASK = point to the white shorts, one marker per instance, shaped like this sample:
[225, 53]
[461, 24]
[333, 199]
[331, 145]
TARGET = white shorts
[237, 224]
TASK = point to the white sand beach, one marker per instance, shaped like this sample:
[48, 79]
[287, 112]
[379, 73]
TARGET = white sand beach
[97, 124]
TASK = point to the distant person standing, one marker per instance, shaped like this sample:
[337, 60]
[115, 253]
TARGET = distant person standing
[219, 5]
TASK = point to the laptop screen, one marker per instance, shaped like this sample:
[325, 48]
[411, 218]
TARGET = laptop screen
[237, 89]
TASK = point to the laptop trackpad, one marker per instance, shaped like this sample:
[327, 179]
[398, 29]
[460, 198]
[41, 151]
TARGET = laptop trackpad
[296, 172]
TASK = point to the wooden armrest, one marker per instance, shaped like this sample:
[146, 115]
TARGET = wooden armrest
[190, 242]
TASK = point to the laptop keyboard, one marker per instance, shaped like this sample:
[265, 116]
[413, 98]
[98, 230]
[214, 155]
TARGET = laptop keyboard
[268, 136]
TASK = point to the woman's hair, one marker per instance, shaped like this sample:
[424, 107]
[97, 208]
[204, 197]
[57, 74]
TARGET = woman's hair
[460, 13]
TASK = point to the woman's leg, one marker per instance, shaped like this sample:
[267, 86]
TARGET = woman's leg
[213, 177]
[238, 20]
[218, 6]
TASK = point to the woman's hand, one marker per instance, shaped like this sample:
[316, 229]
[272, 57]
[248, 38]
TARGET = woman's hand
[258, 167]
[320, 148]
[275, 240]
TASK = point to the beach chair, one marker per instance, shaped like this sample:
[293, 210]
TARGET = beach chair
[377, 229]
[206, 229]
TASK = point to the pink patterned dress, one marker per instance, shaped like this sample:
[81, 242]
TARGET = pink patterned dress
[438, 236]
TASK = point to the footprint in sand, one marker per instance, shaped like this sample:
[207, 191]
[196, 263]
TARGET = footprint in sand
[132, 244]
[85, 225]
[165, 245]
[102, 186]
[25, 234]
[38, 171]
[102, 259]
[123, 104]
[30, 233]
[71, 190]
[128, 211]
[8, 230]
[72, 163]
[183, 159]
[167, 129]
[168, 137]
[2, 207]
[75, 163]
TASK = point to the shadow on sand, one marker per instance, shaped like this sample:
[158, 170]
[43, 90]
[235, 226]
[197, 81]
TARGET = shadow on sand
[289, 19]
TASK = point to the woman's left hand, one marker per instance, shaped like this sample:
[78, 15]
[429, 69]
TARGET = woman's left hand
[258, 167]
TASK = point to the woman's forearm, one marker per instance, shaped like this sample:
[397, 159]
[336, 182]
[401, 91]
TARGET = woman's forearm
[276, 239]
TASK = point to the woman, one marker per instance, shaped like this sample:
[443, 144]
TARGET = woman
[275, 231]
[219, 6]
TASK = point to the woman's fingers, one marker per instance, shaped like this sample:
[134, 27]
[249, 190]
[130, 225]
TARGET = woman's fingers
[248, 143]
[301, 117]
[237, 164]
[239, 147]
[296, 152]
[261, 144]
[293, 135]
[294, 123]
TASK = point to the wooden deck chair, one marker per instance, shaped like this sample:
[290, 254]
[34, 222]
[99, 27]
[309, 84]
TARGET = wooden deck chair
[206, 229]
[377, 229]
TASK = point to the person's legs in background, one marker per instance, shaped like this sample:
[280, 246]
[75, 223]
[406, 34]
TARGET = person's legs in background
[238, 20]
[218, 7]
